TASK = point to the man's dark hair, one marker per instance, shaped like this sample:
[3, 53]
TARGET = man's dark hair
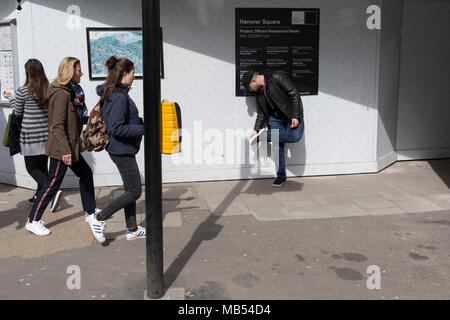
[247, 78]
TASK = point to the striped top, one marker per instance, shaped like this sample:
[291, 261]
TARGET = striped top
[34, 133]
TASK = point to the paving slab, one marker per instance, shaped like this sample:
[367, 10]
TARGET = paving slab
[271, 214]
[398, 195]
[373, 203]
[252, 201]
[172, 220]
[344, 211]
[332, 199]
[226, 204]
[307, 209]
[417, 205]
[292, 196]
[349, 181]
[441, 197]
[176, 205]
[205, 188]
[314, 187]
[445, 205]
[260, 186]
[355, 192]
[385, 211]
[377, 185]
[179, 193]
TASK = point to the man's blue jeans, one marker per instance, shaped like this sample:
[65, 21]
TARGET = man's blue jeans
[286, 135]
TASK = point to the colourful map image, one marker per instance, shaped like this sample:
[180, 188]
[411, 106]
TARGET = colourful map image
[122, 44]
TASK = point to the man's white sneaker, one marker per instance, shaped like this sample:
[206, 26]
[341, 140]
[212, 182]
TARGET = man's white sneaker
[55, 202]
[38, 228]
[97, 227]
[139, 234]
[260, 136]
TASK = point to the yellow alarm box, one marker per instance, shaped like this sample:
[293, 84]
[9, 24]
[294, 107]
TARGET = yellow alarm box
[170, 128]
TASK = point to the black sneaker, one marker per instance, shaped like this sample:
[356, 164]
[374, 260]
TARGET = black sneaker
[55, 201]
[278, 182]
[31, 200]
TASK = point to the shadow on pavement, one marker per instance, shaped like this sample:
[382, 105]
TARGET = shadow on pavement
[210, 229]
[442, 169]
[171, 195]
[17, 216]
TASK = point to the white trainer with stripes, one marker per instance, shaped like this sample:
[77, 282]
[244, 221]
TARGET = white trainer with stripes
[86, 215]
[97, 227]
[139, 234]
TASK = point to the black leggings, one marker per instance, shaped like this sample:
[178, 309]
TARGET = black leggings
[37, 167]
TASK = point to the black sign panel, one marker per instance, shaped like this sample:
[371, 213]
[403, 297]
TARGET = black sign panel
[279, 39]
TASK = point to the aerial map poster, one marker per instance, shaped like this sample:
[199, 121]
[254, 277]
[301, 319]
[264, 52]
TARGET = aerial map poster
[279, 39]
[122, 43]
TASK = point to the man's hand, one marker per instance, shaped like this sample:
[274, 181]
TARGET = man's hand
[254, 133]
[295, 123]
[67, 159]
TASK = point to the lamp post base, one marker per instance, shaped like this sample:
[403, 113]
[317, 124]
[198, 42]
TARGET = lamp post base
[171, 294]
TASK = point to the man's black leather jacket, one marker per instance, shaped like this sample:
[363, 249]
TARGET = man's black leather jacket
[284, 95]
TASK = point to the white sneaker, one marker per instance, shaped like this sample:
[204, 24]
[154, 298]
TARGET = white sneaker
[97, 227]
[38, 228]
[55, 201]
[86, 215]
[259, 137]
[141, 233]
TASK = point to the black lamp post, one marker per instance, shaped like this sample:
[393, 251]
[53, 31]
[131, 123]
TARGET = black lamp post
[153, 175]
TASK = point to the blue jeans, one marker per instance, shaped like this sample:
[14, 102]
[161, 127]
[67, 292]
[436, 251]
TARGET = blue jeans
[286, 135]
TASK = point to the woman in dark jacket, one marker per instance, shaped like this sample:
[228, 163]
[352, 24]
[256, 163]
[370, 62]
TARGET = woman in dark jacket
[125, 129]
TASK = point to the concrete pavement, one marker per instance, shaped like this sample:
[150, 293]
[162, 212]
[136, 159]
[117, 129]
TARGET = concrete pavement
[312, 239]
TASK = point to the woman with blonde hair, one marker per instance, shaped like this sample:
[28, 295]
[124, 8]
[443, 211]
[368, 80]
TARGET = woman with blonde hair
[66, 116]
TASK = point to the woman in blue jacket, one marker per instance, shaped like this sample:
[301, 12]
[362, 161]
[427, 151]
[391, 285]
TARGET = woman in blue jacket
[125, 129]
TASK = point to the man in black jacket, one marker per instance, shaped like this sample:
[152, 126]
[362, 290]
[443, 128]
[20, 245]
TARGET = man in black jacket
[279, 108]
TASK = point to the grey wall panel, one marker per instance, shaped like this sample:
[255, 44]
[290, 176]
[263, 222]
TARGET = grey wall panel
[424, 102]
[390, 40]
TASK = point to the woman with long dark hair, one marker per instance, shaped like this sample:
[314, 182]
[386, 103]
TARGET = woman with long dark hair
[66, 111]
[125, 129]
[31, 103]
